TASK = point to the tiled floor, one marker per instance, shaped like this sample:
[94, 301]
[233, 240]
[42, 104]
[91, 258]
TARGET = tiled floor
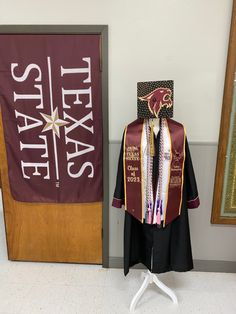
[30, 288]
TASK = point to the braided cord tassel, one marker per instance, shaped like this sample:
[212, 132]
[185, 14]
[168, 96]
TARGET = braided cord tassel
[161, 158]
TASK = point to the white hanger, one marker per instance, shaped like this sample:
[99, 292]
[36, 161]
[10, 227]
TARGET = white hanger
[148, 279]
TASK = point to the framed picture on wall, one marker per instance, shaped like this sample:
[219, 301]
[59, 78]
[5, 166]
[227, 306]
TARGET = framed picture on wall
[224, 200]
[54, 141]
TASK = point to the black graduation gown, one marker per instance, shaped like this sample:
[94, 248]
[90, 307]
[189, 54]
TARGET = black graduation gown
[159, 249]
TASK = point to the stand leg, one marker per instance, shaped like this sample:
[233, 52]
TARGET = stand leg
[149, 278]
[140, 292]
[167, 290]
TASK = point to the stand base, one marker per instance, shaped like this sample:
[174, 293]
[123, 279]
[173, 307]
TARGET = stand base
[148, 279]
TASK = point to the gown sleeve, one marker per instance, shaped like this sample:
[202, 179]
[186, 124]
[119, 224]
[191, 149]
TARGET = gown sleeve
[118, 198]
[192, 191]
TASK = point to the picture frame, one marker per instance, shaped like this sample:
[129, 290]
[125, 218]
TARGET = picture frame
[223, 206]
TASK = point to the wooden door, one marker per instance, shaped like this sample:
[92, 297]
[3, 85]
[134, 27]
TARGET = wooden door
[49, 231]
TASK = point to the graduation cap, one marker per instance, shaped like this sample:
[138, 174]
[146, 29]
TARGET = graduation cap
[155, 99]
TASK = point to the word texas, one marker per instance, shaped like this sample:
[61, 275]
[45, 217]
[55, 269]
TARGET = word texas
[41, 122]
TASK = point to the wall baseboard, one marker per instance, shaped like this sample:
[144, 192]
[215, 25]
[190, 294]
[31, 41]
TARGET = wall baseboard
[199, 265]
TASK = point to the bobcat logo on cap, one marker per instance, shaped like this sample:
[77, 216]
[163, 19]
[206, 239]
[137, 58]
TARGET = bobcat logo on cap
[157, 99]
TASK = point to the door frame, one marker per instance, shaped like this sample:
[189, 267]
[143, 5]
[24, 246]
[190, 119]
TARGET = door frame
[84, 29]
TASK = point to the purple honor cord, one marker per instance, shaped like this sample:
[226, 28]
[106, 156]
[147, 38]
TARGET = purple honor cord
[161, 207]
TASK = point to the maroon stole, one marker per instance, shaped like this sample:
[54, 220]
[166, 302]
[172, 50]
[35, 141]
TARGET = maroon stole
[132, 160]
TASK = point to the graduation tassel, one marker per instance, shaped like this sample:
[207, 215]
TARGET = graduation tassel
[152, 146]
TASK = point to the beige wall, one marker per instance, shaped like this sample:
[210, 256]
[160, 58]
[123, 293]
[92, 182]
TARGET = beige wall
[151, 40]
[184, 40]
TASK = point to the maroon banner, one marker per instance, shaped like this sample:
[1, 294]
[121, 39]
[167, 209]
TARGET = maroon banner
[50, 96]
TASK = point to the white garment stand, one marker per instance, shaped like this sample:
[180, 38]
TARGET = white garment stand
[148, 279]
[148, 276]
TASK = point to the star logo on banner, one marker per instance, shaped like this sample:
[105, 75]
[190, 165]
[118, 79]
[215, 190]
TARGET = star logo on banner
[53, 122]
